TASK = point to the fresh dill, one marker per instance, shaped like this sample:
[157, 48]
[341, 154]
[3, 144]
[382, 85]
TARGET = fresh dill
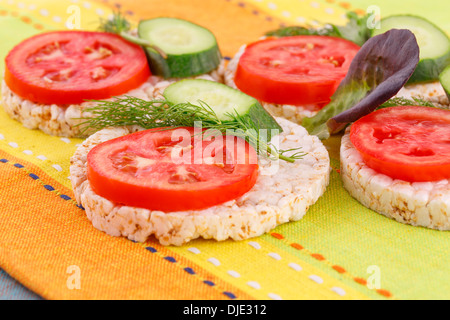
[355, 30]
[119, 25]
[160, 113]
[400, 101]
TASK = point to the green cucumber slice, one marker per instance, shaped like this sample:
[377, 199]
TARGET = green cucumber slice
[222, 100]
[445, 80]
[191, 49]
[434, 45]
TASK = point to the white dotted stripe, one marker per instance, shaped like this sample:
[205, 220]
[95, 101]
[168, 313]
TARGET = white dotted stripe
[234, 274]
[255, 245]
[254, 285]
[316, 279]
[274, 255]
[194, 250]
[15, 145]
[214, 261]
[315, 4]
[57, 167]
[272, 6]
[274, 296]
[339, 291]
[295, 266]
[45, 13]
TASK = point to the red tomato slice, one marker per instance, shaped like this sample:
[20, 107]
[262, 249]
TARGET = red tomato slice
[409, 143]
[172, 170]
[67, 67]
[299, 70]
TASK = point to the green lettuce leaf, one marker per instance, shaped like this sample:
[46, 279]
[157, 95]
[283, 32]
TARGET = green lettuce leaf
[355, 30]
[378, 71]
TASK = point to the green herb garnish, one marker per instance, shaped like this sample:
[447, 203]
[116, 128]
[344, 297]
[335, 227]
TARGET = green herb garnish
[356, 30]
[379, 70]
[400, 101]
[131, 111]
[119, 25]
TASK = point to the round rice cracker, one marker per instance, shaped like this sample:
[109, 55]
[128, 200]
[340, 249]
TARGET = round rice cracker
[432, 92]
[289, 112]
[283, 192]
[63, 120]
[425, 204]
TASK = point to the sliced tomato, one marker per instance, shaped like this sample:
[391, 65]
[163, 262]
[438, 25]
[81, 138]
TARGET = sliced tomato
[299, 70]
[67, 67]
[409, 143]
[172, 170]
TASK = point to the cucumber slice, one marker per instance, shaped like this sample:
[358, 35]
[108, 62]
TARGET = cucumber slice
[222, 100]
[445, 80]
[191, 50]
[434, 45]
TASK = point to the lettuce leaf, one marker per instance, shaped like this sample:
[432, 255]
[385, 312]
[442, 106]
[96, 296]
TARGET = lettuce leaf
[378, 71]
[355, 30]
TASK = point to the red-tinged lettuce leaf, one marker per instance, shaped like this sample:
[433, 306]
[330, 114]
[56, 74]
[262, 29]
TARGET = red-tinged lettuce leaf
[379, 70]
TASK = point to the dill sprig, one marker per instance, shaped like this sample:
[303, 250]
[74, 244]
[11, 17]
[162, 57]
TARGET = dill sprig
[160, 113]
[400, 101]
[119, 25]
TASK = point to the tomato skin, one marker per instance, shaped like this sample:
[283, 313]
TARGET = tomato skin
[409, 143]
[152, 191]
[297, 70]
[125, 69]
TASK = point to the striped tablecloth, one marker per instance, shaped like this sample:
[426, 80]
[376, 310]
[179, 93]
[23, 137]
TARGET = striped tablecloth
[339, 250]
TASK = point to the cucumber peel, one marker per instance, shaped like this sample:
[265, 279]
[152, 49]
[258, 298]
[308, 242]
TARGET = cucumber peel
[191, 49]
[223, 100]
[433, 43]
[445, 80]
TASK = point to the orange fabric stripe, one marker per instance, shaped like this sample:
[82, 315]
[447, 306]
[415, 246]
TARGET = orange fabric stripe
[215, 15]
[37, 222]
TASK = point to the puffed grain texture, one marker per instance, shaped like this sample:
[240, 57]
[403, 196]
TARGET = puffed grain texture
[425, 204]
[63, 120]
[290, 112]
[432, 92]
[275, 199]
